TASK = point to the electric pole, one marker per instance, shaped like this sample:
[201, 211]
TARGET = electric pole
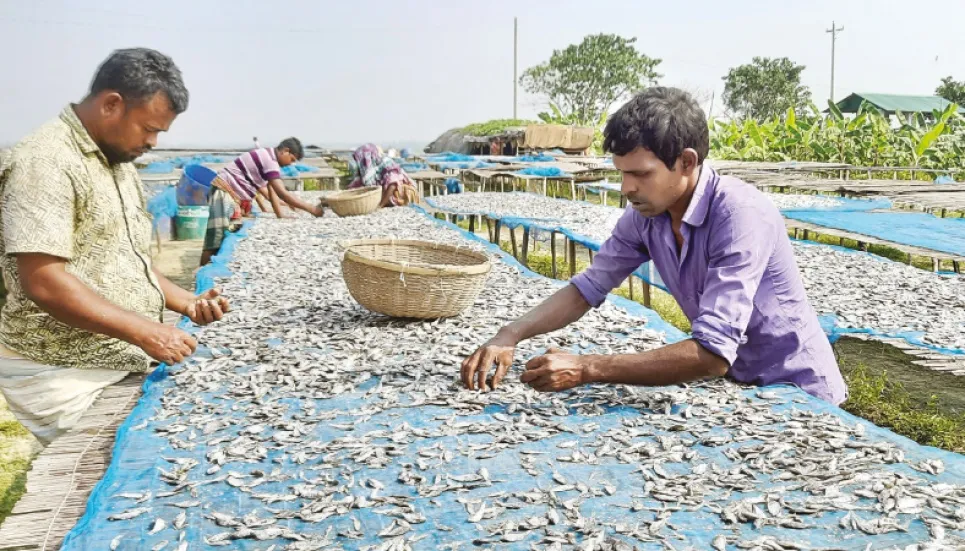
[515, 52]
[834, 38]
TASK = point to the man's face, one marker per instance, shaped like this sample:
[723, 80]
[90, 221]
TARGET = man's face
[130, 129]
[285, 157]
[649, 186]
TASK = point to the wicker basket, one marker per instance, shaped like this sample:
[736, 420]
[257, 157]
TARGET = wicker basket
[354, 202]
[413, 279]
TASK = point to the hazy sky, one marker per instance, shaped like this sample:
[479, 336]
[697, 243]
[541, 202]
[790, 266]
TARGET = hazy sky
[339, 73]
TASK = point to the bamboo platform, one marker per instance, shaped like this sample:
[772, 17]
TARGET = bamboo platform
[64, 474]
[938, 199]
[62, 477]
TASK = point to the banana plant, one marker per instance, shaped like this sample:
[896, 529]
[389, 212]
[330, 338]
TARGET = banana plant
[933, 140]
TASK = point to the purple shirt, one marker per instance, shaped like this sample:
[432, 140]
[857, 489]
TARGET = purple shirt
[736, 280]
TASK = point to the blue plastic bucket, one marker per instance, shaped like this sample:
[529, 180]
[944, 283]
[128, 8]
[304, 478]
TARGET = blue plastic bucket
[194, 186]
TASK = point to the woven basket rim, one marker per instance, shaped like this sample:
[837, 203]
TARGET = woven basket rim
[484, 266]
[353, 194]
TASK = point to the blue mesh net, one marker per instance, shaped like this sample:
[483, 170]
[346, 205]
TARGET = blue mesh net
[450, 157]
[168, 165]
[295, 169]
[544, 171]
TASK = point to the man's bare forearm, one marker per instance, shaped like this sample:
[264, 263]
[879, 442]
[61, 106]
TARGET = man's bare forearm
[70, 301]
[176, 299]
[561, 309]
[680, 362]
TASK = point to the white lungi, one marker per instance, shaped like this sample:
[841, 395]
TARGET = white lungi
[49, 400]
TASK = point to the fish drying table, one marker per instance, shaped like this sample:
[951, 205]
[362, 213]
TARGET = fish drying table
[807, 230]
[591, 226]
[388, 453]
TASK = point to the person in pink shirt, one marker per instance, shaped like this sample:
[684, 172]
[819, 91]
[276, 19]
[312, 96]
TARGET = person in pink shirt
[256, 172]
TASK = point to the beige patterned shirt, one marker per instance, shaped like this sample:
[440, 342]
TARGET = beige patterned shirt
[60, 197]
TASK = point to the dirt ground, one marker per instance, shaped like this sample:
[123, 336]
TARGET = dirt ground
[178, 260]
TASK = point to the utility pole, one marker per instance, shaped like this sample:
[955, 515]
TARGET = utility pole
[515, 52]
[834, 38]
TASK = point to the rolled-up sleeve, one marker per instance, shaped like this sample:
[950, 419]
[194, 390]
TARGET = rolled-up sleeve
[741, 245]
[38, 209]
[619, 256]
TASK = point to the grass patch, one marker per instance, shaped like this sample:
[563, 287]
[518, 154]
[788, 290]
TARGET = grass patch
[887, 389]
[13, 482]
[16, 452]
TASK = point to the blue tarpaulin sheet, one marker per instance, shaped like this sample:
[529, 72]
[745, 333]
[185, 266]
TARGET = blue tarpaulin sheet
[138, 453]
[907, 228]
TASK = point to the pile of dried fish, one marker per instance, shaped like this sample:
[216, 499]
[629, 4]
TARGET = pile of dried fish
[861, 290]
[314, 424]
[787, 201]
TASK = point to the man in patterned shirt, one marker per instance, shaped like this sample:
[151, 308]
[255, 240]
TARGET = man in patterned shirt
[85, 305]
[255, 173]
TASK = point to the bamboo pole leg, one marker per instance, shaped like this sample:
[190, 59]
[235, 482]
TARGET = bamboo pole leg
[512, 239]
[646, 294]
[525, 258]
[572, 251]
[553, 253]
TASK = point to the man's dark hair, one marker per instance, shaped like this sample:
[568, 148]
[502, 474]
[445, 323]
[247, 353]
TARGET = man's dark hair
[294, 146]
[137, 74]
[662, 120]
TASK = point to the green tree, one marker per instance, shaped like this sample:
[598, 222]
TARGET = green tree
[952, 90]
[765, 88]
[584, 80]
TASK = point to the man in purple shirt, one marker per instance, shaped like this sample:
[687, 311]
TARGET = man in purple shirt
[721, 248]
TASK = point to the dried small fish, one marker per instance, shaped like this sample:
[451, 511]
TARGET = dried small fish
[158, 525]
[308, 397]
[129, 514]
